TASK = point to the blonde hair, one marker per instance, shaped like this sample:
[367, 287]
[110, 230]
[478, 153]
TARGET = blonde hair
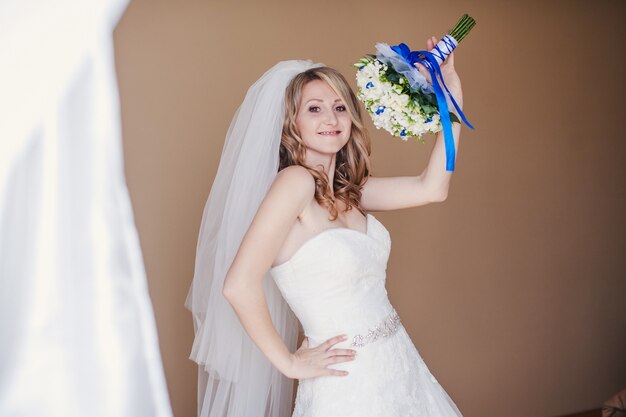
[352, 165]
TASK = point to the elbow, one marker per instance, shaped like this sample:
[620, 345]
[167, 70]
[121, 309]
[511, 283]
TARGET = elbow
[240, 286]
[439, 196]
[435, 191]
[228, 294]
[228, 290]
[236, 290]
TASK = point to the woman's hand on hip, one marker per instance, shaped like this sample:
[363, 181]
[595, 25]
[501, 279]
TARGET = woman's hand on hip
[313, 362]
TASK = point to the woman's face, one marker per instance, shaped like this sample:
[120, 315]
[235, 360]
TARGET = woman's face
[323, 121]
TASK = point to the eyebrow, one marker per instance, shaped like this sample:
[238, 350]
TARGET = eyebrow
[318, 99]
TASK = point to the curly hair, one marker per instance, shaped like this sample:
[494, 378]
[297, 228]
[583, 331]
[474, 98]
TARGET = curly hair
[352, 164]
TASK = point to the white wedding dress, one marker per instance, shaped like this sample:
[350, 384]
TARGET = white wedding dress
[335, 284]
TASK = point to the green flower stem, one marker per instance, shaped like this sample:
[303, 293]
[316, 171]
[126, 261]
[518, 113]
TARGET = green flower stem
[462, 27]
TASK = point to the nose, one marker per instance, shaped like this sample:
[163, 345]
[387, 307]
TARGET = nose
[330, 118]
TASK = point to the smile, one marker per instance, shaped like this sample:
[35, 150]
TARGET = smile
[330, 132]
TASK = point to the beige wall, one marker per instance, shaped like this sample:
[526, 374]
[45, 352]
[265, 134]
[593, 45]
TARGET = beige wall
[513, 289]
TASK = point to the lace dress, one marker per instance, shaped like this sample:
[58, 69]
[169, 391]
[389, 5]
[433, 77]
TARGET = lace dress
[335, 284]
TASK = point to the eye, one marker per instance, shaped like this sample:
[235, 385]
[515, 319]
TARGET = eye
[314, 109]
[341, 108]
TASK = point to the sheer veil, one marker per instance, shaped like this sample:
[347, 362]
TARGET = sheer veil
[235, 379]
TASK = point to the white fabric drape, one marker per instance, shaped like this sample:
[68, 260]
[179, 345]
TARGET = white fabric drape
[77, 332]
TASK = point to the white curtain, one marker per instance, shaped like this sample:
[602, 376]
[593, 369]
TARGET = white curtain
[77, 332]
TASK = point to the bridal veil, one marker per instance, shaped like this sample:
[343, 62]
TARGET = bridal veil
[235, 378]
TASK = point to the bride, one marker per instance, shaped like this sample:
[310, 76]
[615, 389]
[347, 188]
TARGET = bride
[287, 229]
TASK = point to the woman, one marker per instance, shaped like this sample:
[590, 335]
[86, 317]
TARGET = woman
[310, 228]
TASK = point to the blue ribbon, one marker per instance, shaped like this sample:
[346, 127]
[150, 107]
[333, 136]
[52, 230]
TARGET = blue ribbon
[430, 62]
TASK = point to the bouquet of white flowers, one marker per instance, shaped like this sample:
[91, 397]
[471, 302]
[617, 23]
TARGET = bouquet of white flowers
[401, 100]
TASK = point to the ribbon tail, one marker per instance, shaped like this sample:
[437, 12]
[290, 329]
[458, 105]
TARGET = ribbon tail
[456, 106]
[444, 113]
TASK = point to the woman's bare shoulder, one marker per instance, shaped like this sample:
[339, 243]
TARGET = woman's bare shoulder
[298, 177]
[294, 186]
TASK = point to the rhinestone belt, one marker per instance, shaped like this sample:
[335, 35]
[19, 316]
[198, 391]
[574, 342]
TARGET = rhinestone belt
[384, 329]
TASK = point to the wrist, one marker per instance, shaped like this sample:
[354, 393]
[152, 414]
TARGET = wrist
[286, 366]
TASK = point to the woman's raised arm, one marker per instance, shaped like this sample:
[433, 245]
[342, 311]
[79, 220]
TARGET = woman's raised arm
[392, 193]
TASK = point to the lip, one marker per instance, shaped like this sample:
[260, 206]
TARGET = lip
[329, 132]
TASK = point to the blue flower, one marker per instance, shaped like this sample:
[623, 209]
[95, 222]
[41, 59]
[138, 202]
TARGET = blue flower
[429, 119]
[403, 133]
[369, 85]
[380, 109]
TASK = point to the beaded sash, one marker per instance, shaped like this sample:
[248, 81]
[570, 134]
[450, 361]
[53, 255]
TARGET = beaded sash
[384, 329]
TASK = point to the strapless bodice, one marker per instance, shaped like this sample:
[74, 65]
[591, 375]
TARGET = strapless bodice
[335, 281]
